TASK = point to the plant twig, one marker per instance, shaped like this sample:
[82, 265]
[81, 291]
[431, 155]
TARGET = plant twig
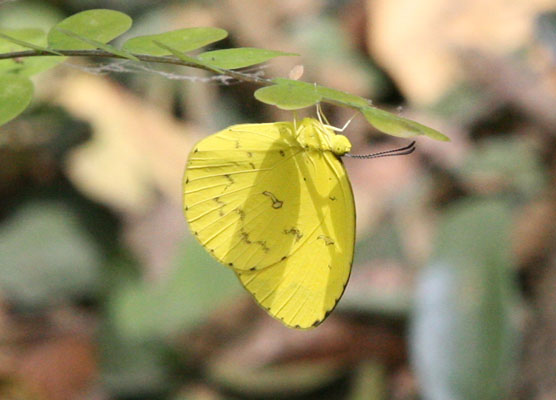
[147, 58]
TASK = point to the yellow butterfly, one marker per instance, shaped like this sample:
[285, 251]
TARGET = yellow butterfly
[274, 203]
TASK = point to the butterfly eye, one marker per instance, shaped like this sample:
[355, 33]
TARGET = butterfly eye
[340, 145]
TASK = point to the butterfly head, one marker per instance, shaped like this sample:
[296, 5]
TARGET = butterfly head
[340, 145]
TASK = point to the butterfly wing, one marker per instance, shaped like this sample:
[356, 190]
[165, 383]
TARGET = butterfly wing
[241, 192]
[281, 216]
[304, 288]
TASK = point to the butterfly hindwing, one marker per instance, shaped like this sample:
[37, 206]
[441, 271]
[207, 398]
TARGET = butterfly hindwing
[302, 289]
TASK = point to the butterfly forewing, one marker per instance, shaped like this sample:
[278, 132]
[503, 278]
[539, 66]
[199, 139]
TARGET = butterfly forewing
[241, 191]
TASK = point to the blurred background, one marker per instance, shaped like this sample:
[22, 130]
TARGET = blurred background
[105, 295]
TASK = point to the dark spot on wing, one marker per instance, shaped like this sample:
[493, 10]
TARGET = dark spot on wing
[328, 241]
[263, 245]
[294, 231]
[230, 179]
[275, 202]
[241, 213]
[221, 204]
[245, 237]
[282, 153]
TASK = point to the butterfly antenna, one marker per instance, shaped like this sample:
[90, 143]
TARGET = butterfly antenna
[402, 151]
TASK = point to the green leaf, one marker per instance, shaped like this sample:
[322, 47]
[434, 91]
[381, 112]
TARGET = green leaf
[16, 93]
[24, 14]
[188, 59]
[99, 25]
[28, 44]
[46, 255]
[97, 44]
[198, 284]
[398, 126]
[240, 57]
[9, 39]
[291, 95]
[462, 338]
[182, 40]
[337, 96]
[131, 367]
[545, 29]
[288, 94]
[34, 36]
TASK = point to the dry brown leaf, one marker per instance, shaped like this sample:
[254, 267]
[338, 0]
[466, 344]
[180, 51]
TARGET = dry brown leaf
[338, 340]
[417, 41]
[535, 230]
[296, 72]
[60, 368]
[154, 236]
[380, 281]
[135, 152]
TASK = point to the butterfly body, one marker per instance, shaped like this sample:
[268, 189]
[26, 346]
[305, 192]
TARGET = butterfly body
[273, 202]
